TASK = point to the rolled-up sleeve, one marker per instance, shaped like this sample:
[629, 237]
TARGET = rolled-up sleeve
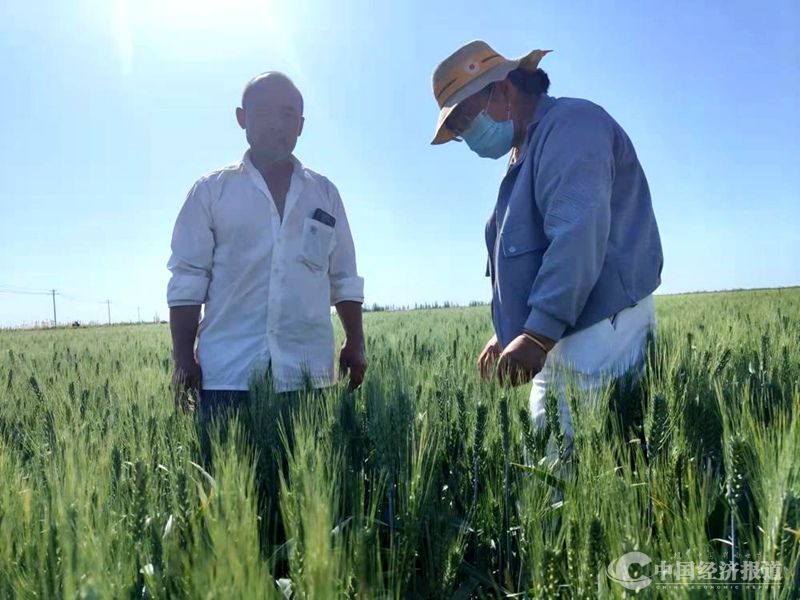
[192, 250]
[346, 285]
[573, 193]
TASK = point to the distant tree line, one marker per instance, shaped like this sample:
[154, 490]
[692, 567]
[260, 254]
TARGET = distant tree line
[375, 307]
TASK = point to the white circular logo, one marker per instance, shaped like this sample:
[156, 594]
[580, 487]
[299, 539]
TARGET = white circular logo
[619, 570]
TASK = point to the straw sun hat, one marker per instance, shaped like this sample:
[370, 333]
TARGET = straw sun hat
[467, 71]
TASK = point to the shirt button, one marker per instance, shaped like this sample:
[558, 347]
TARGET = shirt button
[512, 249]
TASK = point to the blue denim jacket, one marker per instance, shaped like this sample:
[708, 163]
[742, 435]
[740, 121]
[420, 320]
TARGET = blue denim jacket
[573, 238]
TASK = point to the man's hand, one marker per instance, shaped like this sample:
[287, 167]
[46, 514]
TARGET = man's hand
[351, 358]
[187, 378]
[490, 353]
[520, 361]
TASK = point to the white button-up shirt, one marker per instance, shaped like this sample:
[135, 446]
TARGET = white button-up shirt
[267, 285]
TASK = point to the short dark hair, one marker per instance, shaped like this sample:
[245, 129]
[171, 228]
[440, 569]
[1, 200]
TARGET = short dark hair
[534, 83]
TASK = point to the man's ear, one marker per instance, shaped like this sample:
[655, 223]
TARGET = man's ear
[240, 117]
[300, 128]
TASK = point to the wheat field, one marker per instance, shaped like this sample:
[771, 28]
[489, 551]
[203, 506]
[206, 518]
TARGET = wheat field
[426, 483]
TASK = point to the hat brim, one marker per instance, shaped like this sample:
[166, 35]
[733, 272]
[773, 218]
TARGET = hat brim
[496, 73]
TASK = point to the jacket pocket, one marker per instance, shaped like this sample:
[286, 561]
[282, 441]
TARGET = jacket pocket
[317, 242]
[521, 240]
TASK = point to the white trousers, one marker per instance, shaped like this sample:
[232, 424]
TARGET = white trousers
[589, 358]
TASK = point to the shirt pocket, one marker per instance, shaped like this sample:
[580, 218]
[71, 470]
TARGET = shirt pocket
[317, 243]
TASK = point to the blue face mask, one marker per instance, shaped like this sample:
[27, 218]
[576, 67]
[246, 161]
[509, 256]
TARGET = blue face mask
[487, 138]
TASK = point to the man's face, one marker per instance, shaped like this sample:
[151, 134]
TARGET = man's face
[495, 103]
[272, 119]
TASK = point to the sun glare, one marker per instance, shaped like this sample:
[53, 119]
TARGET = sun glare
[196, 29]
[214, 14]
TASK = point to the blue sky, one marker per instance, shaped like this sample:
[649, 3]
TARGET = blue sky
[111, 109]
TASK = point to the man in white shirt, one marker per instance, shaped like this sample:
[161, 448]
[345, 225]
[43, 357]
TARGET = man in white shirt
[265, 246]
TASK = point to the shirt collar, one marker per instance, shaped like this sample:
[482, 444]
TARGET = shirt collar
[298, 173]
[296, 184]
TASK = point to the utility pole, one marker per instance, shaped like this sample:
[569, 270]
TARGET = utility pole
[55, 322]
[138, 315]
[108, 302]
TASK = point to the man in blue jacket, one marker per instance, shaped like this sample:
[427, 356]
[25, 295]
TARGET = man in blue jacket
[574, 249]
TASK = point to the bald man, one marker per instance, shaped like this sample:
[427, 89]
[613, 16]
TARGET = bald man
[264, 245]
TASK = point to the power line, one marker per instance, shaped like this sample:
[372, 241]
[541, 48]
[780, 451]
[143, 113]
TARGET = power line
[82, 299]
[23, 291]
[49, 292]
[14, 289]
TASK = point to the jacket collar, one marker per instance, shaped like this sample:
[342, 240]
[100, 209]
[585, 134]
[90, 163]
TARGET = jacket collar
[544, 104]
